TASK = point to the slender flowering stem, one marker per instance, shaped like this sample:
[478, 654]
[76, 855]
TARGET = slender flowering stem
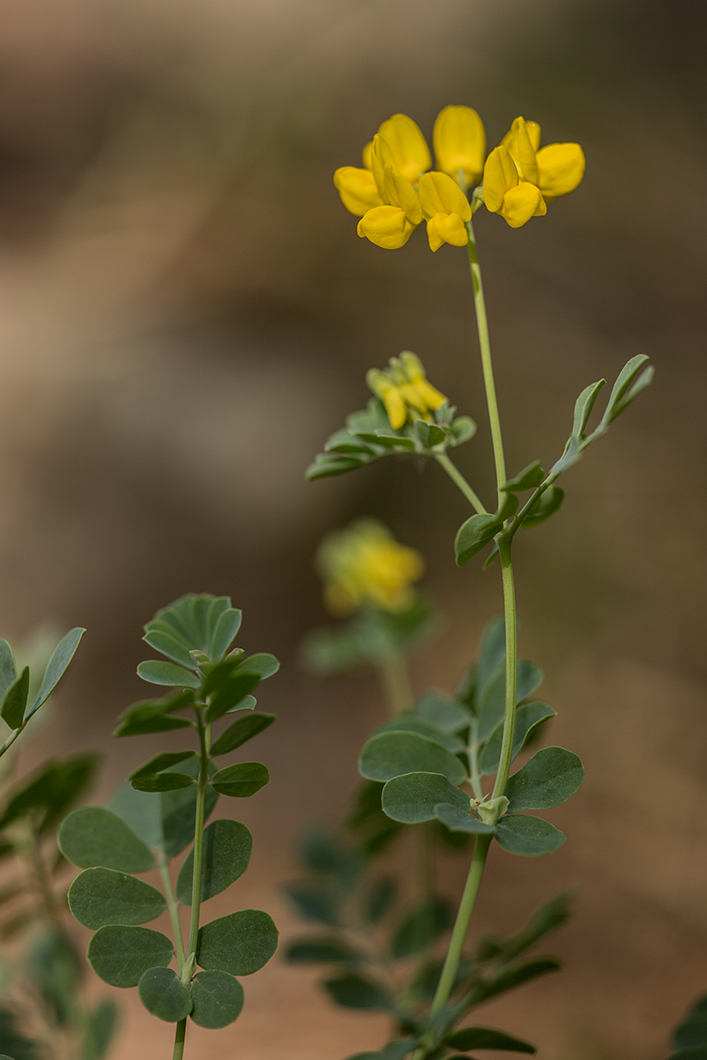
[396, 682]
[509, 717]
[459, 480]
[179, 1037]
[163, 865]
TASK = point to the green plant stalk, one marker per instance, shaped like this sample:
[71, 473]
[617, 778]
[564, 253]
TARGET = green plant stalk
[395, 681]
[478, 861]
[189, 964]
[459, 480]
[172, 906]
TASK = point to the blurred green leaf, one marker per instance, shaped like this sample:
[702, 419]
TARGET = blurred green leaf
[690, 1033]
[410, 723]
[242, 780]
[157, 782]
[510, 977]
[15, 700]
[163, 995]
[121, 955]
[412, 797]
[151, 715]
[473, 535]
[380, 899]
[549, 778]
[528, 836]
[457, 819]
[240, 731]
[529, 718]
[98, 897]
[314, 903]
[179, 809]
[167, 673]
[142, 812]
[161, 762]
[170, 646]
[548, 918]
[14, 1043]
[527, 479]
[355, 991]
[226, 854]
[99, 1030]
[239, 944]
[94, 836]
[51, 790]
[469, 1038]
[550, 500]
[491, 702]
[422, 928]
[393, 754]
[443, 710]
[217, 999]
[8, 672]
[224, 633]
[321, 951]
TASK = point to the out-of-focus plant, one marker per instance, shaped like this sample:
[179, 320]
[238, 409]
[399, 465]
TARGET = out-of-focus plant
[163, 811]
[440, 774]
[689, 1039]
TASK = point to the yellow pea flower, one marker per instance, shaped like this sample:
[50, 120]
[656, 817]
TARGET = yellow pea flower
[384, 388]
[405, 390]
[415, 372]
[357, 187]
[391, 226]
[446, 208]
[405, 147]
[520, 178]
[459, 141]
[364, 564]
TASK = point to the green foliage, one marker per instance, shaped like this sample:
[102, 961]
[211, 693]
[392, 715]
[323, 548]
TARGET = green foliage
[14, 703]
[121, 954]
[240, 731]
[50, 791]
[240, 943]
[242, 780]
[485, 1038]
[413, 797]
[529, 719]
[99, 896]
[163, 995]
[352, 990]
[94, 836]
[421, 928]
[529, 836]
[227, 849]
[217, 999]
[690, 1036]
[368, 436]
[369, 636]
[393, 754]
[551, 777]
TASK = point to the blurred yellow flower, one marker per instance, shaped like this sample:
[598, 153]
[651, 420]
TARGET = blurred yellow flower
[364, 564]
[405, 390]
[520, 178]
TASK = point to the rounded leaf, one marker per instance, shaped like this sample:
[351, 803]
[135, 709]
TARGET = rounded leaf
[227, 849]
[121, 955]
[239, 944]
[217, 999]
[242, 780]
[93, 835]
[163, 995]
[103, 896]
[393, 754]
[412, 797]
[528, 836]
[548, 779]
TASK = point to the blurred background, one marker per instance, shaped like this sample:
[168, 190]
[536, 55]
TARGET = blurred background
[186, 313]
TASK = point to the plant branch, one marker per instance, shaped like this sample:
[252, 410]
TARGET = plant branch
[459, 480]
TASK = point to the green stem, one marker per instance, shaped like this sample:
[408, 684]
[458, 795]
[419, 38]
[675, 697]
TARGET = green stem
[396, 682]
[486, 363]
[163, 865]
[474, 773]
[179, 1036]
[459, 480]
[198, 835]
[509, 612]
[425, 843]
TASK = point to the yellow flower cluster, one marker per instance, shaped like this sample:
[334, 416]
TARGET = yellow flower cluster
[396, 189]
[405, 390]
[364, 564]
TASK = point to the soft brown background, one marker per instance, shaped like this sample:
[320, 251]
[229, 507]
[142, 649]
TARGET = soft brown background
[186, 313]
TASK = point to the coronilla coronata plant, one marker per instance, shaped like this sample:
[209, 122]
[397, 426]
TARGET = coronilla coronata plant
[446, 759]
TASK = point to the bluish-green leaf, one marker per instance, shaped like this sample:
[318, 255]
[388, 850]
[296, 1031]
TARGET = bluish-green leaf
[153, 715]
[167, 781]
[164, 995]
[421, 928]
[171, 646]
[457, 819]
[410, 723]
[8, 672]
[393, 754]
[99, 1030]
[527, 479]
[179, 809]
[15, 700]
[217, 999]
[239, 944]
[443, 710]
[356, 991]
[475, 534]
[161, 762]
[242, 780]
[690, 1033]
[121, 955]
[94, 836]
[247, 703]
[314, 903]
[63, 654]
[550, 500]
[142, 812]
[322, 951]
[512, 976]
[226, 854]
[240, 731]
[167, 673]
[469, 1038]
[227, 626]
[528, 719]
[550, 777]
[528, 836]
[98, 897]
[491, 703]
[412, 797]
[492, 653]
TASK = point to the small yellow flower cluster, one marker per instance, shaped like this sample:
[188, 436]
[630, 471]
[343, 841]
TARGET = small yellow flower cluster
[395, 190]
[405, 390]
[364, 564]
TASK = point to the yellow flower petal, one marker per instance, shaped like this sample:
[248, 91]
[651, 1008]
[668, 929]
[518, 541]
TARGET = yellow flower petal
[446, 228]
[561, 168]
[415, 371]
[385, 389]
[413, 399]
[459, 142]
[409, 153]
[386, 226]
[357, 189]
[440, 194]
[522, 203]
[366, 155]
[500, 175]
[520, 147]
[398, 191]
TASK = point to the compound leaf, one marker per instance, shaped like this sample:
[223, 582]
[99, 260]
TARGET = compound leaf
[217, 999]
[93, 835]
[121, 955]
[99, 896]
[226, 854]
[239, 944]
[164, 995]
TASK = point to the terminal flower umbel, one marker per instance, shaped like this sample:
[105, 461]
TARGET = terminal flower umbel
[459, 141]
[364, 564]
[405, 390]
[521, 178]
